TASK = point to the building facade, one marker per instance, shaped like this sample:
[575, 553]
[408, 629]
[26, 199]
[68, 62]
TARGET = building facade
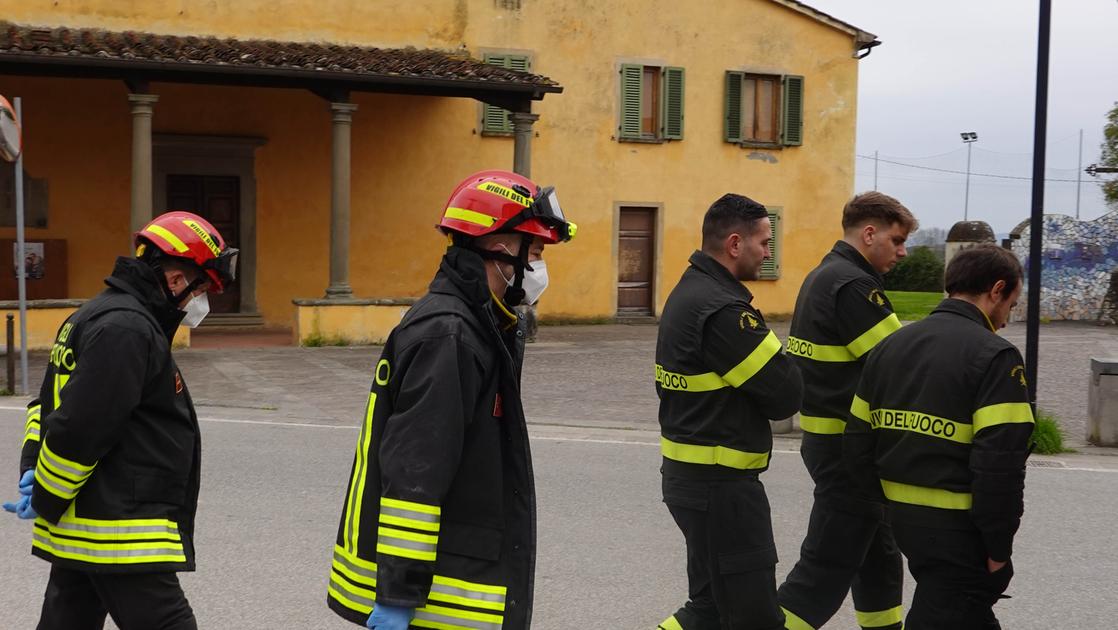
[324, 138]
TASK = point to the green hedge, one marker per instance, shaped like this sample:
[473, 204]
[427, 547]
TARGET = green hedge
[921, 270]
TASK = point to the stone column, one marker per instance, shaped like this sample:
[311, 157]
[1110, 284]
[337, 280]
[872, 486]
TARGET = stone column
[339, 201]
[522, 141]
[142, 109]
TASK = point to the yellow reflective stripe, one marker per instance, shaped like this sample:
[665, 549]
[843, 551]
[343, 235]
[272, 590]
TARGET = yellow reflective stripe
[357, 484]
[470, 216]
[414, 554]
[166, 235]
[202, 234]
[409, 505]
[873, 336]
[60, 381]
[670, 624]
[930, 497]
[98, 530]
[354, 597]
[881, 618]
[388, 532]
[688, 383]
[822, 426]
[922, 423]
[32, 430]
[713, 455]
[505, 192]
[860, 409]
[110, 544]
[67, 466]
[817, 352]
[55, 484]
[793, 622]
[401, 521]
[442, 615]
[1003, 413]
[769, 347]
[465, 593]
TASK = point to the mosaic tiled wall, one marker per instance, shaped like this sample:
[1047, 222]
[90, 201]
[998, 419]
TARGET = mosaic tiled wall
[1078, 259]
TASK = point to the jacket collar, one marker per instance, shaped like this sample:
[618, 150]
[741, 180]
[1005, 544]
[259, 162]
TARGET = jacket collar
[704, 263]
[139, 280]
[842, 249]
[967, 310]
[462, 274]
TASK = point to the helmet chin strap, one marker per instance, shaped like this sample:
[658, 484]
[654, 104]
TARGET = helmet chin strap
[514, 294]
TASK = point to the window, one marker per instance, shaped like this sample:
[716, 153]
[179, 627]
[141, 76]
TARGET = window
[651, 103]
[494, 120]
[770, 269]
[764, 109]
[36, 198]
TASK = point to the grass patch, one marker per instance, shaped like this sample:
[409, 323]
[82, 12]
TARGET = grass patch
[1048, 437]
[914, 305]
[6, 392]
[318, 341]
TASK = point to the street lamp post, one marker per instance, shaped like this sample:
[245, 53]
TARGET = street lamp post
[969, 137]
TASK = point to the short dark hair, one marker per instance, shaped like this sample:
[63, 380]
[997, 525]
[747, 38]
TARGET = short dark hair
[975, 270]
[729, 214]
[878, 208]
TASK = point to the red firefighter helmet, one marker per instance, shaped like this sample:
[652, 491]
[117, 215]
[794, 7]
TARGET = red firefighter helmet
[489, 202]
[189, 237]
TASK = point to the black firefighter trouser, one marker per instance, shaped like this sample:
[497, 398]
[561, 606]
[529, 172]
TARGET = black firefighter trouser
[954, 588]
[79, 600]
[849, 546]
[731, 556]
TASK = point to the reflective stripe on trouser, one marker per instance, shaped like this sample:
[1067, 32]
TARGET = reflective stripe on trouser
[731, 558]
[110, 542]
[848, 548]
[353, 584]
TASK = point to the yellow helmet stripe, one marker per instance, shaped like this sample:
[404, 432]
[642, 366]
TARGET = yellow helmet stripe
[166, 235]
[469, 216]
[506, 192]
[201, 232]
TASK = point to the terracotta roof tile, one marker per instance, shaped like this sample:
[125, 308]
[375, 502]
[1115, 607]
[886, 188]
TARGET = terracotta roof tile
[185, 51]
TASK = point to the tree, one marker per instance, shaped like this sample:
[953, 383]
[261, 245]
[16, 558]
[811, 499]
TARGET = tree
[921, 270]
[1110, 155]
[928, 236]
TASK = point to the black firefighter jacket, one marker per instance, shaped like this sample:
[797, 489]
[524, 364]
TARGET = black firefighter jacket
[941, 424]
[113, 437]
[440, 510]
[721, 376]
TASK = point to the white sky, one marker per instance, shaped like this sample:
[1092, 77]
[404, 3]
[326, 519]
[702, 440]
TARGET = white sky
[950, 66]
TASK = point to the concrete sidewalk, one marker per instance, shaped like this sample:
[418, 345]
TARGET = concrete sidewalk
[577, 376]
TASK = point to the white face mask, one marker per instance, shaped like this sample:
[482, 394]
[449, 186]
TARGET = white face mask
[535, 282]
[196, 310]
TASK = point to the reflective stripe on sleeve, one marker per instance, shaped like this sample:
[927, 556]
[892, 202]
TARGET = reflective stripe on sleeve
[817, 352]
[860, 409]
[769, 347]
[822, 426]
[688, 382]
[444, 618]
[929, 497]
[397, 542]
[873, 336]
[409, 514]
[1003, 413]
[880, 618]
[60, 476]
[670, 624]
[792, 621]
[33, 428]
[713, 455]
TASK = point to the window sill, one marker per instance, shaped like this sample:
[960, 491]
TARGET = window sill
[760, 145]
[644, 140]
[497, 134]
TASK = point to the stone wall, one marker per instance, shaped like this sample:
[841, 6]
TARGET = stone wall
[1076, 266]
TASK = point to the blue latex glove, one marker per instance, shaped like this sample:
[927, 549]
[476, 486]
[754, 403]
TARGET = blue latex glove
[22, 508]
[390, 617]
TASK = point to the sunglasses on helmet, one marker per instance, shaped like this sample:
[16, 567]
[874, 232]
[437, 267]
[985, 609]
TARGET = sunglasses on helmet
[225, 265]
[545, 208]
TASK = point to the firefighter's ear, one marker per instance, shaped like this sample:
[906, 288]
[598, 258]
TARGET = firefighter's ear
[734, 244]
[998, 292]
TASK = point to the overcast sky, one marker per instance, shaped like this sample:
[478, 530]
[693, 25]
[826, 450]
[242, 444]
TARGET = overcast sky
[951, 66]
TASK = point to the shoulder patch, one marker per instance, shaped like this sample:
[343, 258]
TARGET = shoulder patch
[1018, 372]
[876, 297]
[747, 320]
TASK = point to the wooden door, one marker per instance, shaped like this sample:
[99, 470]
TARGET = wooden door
[635, 261]
[217, 199]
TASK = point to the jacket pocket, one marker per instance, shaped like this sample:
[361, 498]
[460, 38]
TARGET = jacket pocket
[471, 541]
[151, 487]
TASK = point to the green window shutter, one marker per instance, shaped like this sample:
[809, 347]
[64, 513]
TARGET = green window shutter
[631, 98]
[792, 128]
[671, 119]
[732, 131]
[495, 120]
[770, 269]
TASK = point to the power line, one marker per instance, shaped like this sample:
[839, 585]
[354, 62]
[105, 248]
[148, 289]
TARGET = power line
[947, 170]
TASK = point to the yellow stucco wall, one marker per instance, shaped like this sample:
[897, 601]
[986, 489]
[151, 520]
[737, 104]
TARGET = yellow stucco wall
[345, 323]
[408, 152]
[43, 325]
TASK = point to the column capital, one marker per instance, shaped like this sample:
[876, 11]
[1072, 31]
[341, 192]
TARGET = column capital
[523, 121]
[143, 103]
[343, 112]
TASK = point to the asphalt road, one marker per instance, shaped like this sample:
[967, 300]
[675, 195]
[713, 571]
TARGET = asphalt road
[609, 558]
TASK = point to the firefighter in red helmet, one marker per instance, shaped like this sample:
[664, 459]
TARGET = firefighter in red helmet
[438, 525]
[111, 452]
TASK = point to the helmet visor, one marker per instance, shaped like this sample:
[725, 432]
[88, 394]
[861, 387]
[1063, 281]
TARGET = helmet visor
[225, 265]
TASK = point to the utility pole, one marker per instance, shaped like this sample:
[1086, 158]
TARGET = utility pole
[1079, 175]
[969, 137]
[1036, 220]
[875, 170]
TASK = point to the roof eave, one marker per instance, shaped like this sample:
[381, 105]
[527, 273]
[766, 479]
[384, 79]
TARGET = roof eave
[863, 40]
